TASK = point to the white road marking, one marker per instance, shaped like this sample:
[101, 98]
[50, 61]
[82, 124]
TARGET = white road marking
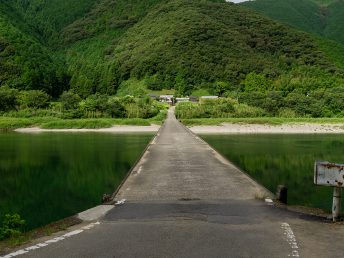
[269, 201]
[138, 171]
[42, 244]
[54, 240]
[121, 202]
[32, 248]
[291, 239]
[88, 227]
[51, 241]
[72, 233]
[19, 252]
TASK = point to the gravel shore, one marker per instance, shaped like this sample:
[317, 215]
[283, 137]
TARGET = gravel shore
[232, 128]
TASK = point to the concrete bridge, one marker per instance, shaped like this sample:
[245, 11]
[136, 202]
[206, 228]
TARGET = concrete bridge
[183, 199]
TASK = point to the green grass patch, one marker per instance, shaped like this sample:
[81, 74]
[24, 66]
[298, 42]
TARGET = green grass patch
[200, 93]
[77, 124]
[261, 120]
[162, 92]
[11, 123]
[159, 118]
[93, 123]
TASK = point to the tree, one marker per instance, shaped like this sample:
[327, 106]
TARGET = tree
[180, 85]
[256, 82]
[115, 108]
[221, 88]
[153, 83]
[34, 99]
[70, 100]
[8, 98]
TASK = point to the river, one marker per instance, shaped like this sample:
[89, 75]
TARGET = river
[45, 177]
[284, 159]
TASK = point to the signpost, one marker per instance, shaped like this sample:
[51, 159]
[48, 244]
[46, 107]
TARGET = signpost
[331, 174]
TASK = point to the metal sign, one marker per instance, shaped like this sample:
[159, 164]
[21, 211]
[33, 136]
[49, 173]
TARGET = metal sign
[329, 174]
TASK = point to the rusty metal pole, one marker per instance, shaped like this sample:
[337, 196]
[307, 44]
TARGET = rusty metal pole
[336, 203]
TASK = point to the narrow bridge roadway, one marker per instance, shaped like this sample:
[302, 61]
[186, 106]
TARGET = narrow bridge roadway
[186, 200]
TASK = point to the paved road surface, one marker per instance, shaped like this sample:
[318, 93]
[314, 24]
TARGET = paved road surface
[185, 200]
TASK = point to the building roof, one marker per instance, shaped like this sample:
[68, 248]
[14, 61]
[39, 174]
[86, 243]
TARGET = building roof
[209, 97]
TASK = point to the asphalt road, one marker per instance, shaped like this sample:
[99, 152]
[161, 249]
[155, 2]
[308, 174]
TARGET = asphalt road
[185, 200]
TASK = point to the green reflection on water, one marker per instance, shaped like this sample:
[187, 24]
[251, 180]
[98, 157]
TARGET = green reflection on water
[49, 176]
[284, 159]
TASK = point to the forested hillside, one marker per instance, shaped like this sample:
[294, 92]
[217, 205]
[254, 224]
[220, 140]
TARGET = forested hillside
[221, 42]
[47, 18]
[322, 17]
[24, 62]
[104, 46]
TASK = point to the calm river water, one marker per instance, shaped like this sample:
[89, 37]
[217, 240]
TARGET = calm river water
[284, 159]
[49, 176]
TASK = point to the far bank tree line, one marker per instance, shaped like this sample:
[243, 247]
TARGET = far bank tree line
[31, 103]
[268, 104]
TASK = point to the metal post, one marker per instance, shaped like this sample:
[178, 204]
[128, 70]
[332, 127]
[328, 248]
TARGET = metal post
[282, 194]
[336, 203]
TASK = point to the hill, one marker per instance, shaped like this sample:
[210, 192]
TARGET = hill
[47, 18]
[190, 44]
[105, 45]
[220, 42]
[322, 17]
[24, 62]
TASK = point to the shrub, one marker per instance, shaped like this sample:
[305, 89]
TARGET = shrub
[304, 105]
[34, 99]
[94, 105]
[153, 83]
[217, 108]
[69, 100]
[115, 108]
[11, 225]
[256, 82]
[287, 113]
[8, 99]
[243, 110]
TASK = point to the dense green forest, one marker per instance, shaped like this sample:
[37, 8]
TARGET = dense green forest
[322, 17]
[109, 47]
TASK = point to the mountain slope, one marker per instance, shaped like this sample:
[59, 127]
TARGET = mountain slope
[303, 14]
[24, 62]
[103, 44]
[47, 18]
[324, 18]
[335, 22]
[202, 42]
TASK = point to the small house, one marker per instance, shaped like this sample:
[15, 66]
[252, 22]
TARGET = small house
[182, 100]
[167, 99]
[152, 96]
[194, 99]
[209, 97]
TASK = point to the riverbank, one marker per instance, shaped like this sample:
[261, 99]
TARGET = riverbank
[114, 129]
[295, 128]
[52, 123]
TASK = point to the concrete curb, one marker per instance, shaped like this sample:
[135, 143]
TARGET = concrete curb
[94, 213]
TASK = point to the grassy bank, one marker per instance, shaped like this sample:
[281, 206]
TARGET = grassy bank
[260, 120]
[11, 123]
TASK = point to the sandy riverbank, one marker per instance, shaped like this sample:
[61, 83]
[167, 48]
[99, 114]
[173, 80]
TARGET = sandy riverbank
[231, 128]
[114, 129]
